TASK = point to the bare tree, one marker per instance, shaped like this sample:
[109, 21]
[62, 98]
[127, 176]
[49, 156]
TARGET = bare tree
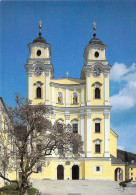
[33, 137]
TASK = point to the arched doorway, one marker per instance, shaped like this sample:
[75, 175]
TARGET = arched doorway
[75, 172]
[60, 172]
[118, 174]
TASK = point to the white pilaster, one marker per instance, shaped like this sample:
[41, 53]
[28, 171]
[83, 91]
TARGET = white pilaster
[52, 95]
[89, 154]
[47, 116]
[47, 52]
[88, 88]
[67, 97]
[82, 96]
[106, 129]
[106, 89]
[30, 86]
[67, 116]
[82, 130]
[47, 88]
[53, 121]
[53, 118]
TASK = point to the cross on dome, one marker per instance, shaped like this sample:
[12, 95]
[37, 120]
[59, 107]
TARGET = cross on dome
[94, 28]
[67, 73]
[40, 26]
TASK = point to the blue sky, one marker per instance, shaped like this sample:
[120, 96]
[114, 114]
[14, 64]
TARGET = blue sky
[67, 26]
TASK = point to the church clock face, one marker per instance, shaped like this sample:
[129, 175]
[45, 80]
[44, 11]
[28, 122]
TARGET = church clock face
[38, 70]
[96, 71]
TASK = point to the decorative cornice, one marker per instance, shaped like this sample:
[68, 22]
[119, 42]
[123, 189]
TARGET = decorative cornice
[38, 83]
[97, 119]
[97, 84]
[69, 86]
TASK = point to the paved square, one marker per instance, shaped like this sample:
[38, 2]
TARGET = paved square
[83, 187]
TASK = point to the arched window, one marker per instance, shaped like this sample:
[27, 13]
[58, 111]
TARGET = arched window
[60, 98]
[97, 93]
[38, 92]
[75, 125]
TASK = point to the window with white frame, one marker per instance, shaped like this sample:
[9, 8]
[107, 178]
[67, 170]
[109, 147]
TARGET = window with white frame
[38, 89]
[60, 98]
[60, 150]
[98, 169]
[75, 98]
[75, 150]
[97, 146]
[75, 125]
[97, 90]
[97, 125]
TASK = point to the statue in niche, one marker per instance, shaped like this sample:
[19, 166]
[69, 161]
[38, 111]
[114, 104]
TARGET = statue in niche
[59, 98]
[75, 99]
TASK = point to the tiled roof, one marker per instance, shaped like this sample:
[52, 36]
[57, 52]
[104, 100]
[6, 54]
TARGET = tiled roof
[116, 161]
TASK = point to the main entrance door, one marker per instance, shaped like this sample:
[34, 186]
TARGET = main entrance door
[75, 172]
[60, 172]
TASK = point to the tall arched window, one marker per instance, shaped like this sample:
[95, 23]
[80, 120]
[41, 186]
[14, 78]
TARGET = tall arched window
[97, 93]
[38, 92]
[38, 89]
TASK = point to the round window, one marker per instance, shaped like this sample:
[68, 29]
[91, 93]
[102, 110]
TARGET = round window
[96, 54]
[38, 52]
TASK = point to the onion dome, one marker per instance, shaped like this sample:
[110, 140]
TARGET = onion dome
[39, 39]
[95, 40]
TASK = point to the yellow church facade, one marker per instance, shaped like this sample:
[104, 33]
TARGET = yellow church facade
[83, 103]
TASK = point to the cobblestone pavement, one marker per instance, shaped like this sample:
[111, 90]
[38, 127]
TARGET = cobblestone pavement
[83, 187]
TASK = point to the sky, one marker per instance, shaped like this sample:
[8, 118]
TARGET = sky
[67, 26]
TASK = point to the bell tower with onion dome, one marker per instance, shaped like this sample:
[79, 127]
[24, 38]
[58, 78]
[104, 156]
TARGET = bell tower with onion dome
[39, 70]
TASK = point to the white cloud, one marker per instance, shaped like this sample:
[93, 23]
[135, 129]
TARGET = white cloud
[119, 70]
[126, 97]
[121, 147]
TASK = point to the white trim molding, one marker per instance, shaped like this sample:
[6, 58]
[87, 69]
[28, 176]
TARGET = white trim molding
[106, 128]
[47, 88]
[89, 154]
[82, 96]
[30, 86]
[88, 87]
[67, 97]
[52, 95]
[106, 89]
[67, 118]
[82, 131]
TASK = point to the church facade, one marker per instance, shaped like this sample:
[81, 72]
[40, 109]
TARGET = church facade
[83, 103]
